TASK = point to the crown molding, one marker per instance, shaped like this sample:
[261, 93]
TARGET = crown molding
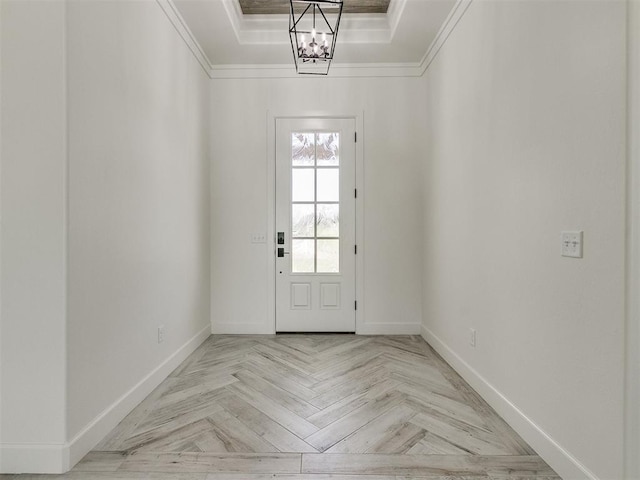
[456, 14]
[338, 70]
[172, 13]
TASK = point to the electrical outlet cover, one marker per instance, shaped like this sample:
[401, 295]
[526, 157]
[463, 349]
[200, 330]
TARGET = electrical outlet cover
[161, 334]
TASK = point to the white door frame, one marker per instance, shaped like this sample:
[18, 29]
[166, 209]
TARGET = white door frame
[271, 209]
[632, 330]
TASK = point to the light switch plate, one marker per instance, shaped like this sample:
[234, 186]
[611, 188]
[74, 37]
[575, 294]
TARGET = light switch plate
[572, 244]
[258, 238]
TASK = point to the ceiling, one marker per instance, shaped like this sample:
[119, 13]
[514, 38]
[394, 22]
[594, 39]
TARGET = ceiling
[269, 7]
[232, 40]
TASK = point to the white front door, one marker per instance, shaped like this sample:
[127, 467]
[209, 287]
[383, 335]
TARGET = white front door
[315, 225]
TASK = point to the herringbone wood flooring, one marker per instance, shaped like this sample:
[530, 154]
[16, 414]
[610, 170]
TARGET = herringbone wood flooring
[313, 407]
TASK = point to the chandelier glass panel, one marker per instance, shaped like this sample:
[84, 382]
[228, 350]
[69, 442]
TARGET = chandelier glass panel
[313, 29]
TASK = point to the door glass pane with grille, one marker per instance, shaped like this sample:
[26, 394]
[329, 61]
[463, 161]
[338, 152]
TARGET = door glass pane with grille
[315, 202]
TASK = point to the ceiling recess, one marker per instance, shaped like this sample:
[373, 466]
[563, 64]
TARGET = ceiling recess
[268, 7]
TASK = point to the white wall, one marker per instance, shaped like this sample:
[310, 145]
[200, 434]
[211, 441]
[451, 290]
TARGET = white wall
[526, 115]
[392, 142]
[33, 249]
[105, 219]
[138, 200]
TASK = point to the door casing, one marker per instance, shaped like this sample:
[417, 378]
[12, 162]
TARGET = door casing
[271, 210]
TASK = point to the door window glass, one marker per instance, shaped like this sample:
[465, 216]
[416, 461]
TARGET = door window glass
[315, 202]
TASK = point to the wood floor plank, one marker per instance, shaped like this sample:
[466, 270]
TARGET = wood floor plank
[270, 361]
[111, 476]
[280, 379]
[405, 364]
[218, 433]
[224, 476]
[166, 426]
[197, 383]
[453, 408]
[100, 462]
[273, 352]
[265, 426]
[402, 440]
[338, 367]
[444, 477]
[378, 464]
[350, 387]
[184, 409]
[236, 436]
[414, 344]
[411, 380]
[288, 400]
[268, 406]
[375, 432]
[212, 463]
[463, 435]
[297, 353]
[361, 369]
[433, 445]
[211, 442]
[345, 426]
[350, 403]
[179, 440]
[335, 351]
[507, 476]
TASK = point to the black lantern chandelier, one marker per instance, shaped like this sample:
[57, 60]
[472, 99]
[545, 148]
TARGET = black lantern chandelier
[313, 29]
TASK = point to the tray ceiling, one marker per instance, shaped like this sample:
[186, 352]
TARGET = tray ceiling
[233, 41]
[270, 7]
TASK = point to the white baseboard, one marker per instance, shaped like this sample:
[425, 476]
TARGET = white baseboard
[365, 329]
[558, 458]
[241, 329]
[97, 429]
[60, 458]
[389, 329]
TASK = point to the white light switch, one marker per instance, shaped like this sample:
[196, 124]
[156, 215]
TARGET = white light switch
[572, 244]
[258, 238]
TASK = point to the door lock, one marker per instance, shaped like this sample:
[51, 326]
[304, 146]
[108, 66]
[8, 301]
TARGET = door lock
[280, 238]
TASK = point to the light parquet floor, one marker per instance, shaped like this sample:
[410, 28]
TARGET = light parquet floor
[315, 407]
